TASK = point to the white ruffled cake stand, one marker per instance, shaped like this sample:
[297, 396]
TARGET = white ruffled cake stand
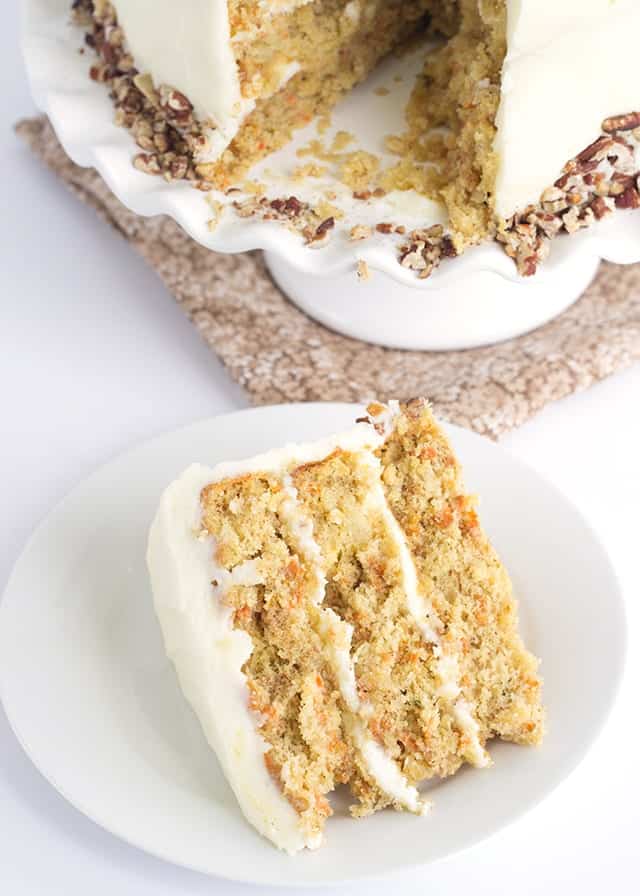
[473, 300]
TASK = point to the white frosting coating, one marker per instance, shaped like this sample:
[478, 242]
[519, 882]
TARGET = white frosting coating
[450, 690]
[208, 655]
[386, 773]
[570, 64]
[273, 7]
[353, 10]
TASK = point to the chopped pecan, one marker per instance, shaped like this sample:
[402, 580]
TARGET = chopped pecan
[626, 122]
[360, 232]
[293, 206]
[630, 198]
[597, 149]
[147, 162]
[554, 199]
[326, 225]
[601, 206]
[447, 249]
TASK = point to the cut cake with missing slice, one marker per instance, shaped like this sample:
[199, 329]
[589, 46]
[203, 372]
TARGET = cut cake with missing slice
[336, 615]
[509, 130]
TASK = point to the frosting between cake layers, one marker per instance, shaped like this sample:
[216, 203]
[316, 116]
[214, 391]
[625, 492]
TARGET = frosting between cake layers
[338, 636]
[569, 65]
[430, 626]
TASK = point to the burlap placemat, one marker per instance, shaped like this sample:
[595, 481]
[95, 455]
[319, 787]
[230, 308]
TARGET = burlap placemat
[278, 354]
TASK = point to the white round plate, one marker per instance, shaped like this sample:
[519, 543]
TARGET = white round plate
[473, 300]
[95, 703]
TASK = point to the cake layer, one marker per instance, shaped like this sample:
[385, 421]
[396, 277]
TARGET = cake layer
[330, 46]
[517, 102]
[247, 17]
[462, 577]
[302, 600]
[448, 151]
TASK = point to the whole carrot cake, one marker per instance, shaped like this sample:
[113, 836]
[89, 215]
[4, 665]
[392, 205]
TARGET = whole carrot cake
[336, 615]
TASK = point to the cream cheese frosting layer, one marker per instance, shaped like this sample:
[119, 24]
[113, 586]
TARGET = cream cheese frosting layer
[208, 655]
[569, 65]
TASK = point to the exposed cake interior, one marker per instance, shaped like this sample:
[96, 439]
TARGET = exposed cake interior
[448, 149]
[292, 61]
[297, 64]
[378, 632]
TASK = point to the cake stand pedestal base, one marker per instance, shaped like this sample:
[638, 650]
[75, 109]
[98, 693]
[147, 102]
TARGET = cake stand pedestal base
[449, 311]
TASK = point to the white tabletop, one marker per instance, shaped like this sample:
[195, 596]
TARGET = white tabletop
[95, 356]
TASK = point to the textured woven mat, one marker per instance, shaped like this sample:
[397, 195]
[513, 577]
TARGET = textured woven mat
[278, 354]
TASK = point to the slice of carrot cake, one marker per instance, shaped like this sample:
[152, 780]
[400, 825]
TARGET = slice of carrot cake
[336, 615]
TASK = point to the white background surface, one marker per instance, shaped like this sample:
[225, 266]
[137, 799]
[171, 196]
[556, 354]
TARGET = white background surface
[94, 356]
